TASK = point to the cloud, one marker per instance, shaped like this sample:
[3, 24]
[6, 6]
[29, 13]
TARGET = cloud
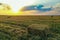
[33, 12]
[42, 10]
[57, 7]
[37, 8]
[4, 7]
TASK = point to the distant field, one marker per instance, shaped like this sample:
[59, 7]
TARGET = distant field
[21, 18]
[29, 27]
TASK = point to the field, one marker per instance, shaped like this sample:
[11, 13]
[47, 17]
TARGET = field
[29, 27]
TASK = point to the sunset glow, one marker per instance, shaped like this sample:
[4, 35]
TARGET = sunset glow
[14, 7]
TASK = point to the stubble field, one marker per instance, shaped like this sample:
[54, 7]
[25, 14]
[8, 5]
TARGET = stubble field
[29, 27]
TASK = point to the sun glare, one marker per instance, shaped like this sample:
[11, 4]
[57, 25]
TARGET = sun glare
[21, 3]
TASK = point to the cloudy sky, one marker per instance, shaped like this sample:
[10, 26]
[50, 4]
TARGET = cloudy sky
[38, 7]
[43, 7]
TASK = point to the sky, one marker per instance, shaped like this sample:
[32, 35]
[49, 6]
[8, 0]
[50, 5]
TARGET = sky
[34, 6]
[51, 2]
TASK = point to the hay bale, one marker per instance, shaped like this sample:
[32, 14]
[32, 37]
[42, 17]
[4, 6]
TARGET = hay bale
[38, 29]
[39, 26]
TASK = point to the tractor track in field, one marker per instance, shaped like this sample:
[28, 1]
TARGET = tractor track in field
[10, 23]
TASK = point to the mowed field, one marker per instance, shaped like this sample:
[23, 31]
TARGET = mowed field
[29, 27]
